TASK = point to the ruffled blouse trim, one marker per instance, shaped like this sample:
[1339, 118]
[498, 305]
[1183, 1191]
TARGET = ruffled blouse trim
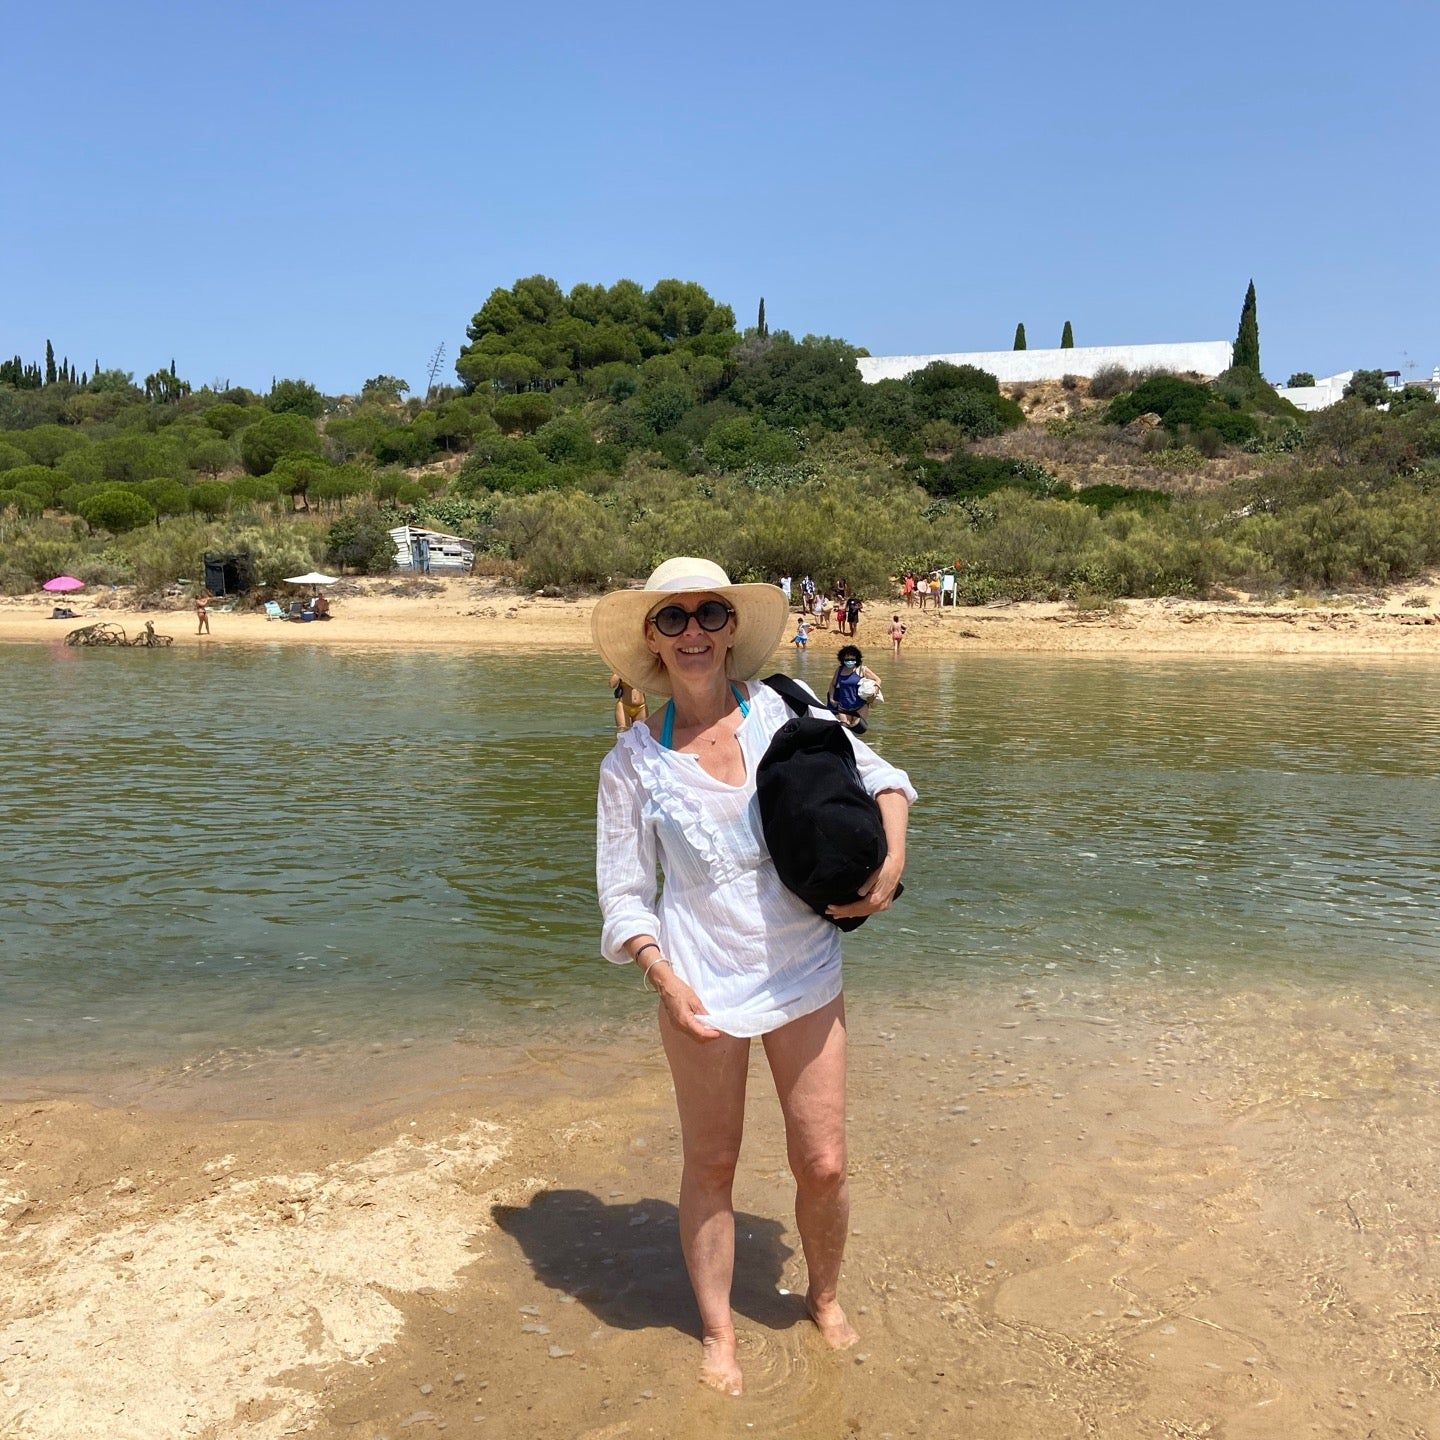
[667, 794]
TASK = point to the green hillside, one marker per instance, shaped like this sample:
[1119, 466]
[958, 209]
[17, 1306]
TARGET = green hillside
[587, 435]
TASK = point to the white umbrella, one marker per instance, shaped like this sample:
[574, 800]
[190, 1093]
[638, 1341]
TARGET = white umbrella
[313, 578]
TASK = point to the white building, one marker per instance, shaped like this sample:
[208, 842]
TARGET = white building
[1200, 357]
[1319, 396]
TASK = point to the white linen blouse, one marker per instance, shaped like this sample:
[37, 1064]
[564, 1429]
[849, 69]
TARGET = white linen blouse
[755, 954]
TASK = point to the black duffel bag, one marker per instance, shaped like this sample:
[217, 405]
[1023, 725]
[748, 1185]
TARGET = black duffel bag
[821, 826]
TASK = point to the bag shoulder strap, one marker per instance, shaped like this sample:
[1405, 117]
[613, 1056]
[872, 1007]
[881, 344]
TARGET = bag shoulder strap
[795, 696]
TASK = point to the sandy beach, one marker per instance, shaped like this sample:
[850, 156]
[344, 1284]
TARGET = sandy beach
[1079, 1211]
[484, 614]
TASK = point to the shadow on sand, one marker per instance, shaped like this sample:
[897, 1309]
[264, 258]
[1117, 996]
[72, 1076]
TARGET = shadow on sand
[623, 1262]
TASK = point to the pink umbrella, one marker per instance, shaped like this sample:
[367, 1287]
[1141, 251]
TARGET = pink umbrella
[63, 582]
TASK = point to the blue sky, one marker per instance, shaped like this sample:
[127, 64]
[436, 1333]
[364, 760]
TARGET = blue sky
[331, 190]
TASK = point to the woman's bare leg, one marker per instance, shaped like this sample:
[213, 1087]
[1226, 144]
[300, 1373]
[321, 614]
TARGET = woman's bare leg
[710, 1095]
[807, 1059]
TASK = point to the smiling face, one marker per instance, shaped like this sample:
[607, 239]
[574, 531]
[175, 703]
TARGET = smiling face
[695, 654]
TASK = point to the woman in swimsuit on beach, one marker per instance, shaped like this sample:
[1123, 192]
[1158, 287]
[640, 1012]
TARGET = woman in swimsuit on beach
[630, 704]
[732, 952]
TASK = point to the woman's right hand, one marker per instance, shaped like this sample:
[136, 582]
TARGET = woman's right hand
[685, 1008]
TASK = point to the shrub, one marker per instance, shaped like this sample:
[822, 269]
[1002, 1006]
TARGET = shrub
[45, 444]
[1367, 386]
[1106, 497]
[362, 541]
[564, 439]
[1411, 398]
[1175, 401]
[1111, 380]
[522, 414]
[564, 538]
[117, 511]
[747, 440]
[254, 490]
[227, 419]
[36, 550]
[22, 502]
[212, 498]
[940, 377]
[265, 443]
[1299, 378]
[977, 475]
[166, 497]
[294, 397]
[38, 480]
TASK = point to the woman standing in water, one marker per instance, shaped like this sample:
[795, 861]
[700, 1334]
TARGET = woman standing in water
[732, 953]
[630, 703]
[844, 696]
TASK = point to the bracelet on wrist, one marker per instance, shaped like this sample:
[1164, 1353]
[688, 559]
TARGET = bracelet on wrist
[645, 979]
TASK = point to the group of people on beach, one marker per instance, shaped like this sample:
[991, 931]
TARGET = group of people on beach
[938, 585]
[817, 606]
[731, 952]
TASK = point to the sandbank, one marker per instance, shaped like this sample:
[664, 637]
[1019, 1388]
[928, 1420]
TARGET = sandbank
[1102, 1210]
[482, 614]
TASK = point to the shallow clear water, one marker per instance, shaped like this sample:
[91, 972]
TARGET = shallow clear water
[279, 848]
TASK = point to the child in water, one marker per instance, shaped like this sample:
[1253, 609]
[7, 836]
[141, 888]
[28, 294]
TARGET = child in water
[801, 637]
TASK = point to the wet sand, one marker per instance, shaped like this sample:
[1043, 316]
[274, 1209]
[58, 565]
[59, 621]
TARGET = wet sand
[481, 614]
[1116, 1209]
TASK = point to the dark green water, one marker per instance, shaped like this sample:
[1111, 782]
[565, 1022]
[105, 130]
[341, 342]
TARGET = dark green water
[267, 849]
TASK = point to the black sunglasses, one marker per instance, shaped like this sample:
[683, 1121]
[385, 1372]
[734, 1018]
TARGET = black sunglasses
[671, 620]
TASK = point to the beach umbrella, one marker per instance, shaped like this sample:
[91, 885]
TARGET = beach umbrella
[63, 583]
[313, 578]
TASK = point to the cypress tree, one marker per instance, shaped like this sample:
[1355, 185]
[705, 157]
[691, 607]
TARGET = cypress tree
[1020, 336]
[1247, 339]
[760, 324]
[50, 375]
[84, 379]
[172, 368]
[1067, 337]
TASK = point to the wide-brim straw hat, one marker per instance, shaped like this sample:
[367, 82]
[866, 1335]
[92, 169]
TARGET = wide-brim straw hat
[618, 621]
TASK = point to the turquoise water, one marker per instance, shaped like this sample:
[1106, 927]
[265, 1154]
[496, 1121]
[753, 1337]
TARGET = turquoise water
[267, 849]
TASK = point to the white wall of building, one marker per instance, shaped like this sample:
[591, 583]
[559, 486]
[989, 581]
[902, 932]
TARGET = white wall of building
[1204, 357]
[1319, 396]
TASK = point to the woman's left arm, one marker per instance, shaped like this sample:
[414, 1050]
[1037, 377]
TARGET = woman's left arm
[879, 890]
[894, 794]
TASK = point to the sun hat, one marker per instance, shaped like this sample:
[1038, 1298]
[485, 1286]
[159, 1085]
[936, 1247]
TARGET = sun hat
[618, 621]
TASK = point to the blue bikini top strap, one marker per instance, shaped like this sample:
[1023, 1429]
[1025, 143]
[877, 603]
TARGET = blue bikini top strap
[667, 725]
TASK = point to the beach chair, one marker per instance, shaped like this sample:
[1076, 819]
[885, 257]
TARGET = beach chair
[273, 610]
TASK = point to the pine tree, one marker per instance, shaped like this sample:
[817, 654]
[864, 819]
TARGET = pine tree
[1067, 337]
[1020, 336]
[1247, 339]
[760, 325]
[50, 375]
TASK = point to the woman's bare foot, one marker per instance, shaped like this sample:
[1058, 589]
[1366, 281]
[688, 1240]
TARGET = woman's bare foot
[719, 1369]
[837, 1332]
